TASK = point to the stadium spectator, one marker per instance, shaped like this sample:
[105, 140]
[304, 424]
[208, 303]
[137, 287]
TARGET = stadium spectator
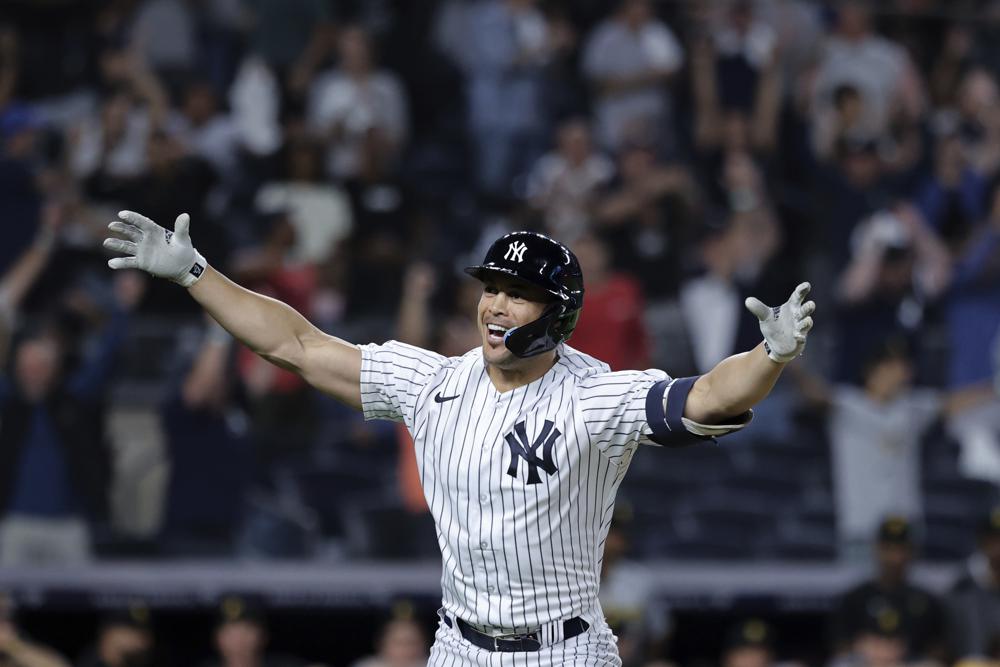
[56, 467]
[358, 111]
[953, 199]
[736, 81]
[241, 636]
[875, 432]
[386, 231]
[205, 130]
[255, 99]
[972, 313]
[629, 59]
[401, 642]
[563, 184]
[955, 57]
[974, 601]
[318, 211]
[291, 38]
[879, 69]
[17, 650]
[842, 120]
[203, 423]
[20, 197]
[125, 639]
[23, 274]
[646, 213]
[749, 643]
[503, 49]
[897, 269]
[164, 35]
[110, 146]
[880, 642]
[281, 409]
[733, 257]
[977, 115]
[613, 327]
[922, 620]
[845, 192]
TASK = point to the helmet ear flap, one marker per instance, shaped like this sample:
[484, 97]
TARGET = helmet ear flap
[566, 323]
[553, 327]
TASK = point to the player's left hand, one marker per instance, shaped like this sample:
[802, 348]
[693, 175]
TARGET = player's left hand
[784, 327]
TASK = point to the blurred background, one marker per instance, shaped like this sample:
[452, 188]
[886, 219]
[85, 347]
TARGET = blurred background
[167, 498]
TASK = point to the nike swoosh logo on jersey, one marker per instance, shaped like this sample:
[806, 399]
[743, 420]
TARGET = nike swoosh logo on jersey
[438, 398]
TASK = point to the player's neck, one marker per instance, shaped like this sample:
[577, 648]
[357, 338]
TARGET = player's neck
[526, 372]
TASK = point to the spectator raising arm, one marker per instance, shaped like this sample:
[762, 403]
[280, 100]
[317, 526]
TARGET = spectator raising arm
[23, 274]
[270, 328]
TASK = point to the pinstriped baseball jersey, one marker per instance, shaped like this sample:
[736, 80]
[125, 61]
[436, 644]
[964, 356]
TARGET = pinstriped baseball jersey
[521, 484]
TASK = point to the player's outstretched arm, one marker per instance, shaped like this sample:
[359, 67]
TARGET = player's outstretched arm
[740, 381]
[270, 328]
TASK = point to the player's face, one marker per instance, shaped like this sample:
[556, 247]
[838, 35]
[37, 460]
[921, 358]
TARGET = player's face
[506, 303]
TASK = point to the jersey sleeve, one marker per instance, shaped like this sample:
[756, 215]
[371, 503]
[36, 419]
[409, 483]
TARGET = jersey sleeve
[644, 407]
[392, 378]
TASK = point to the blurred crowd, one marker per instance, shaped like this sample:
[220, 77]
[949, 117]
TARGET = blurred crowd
[350, 157]
[239, 636]
[887, 620]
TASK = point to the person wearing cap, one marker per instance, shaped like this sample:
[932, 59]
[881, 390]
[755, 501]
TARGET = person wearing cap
[880, 640]
[922, 617]
[401, 641]
[974, 601]
[749, 643]
[241, 636]
[125, 639]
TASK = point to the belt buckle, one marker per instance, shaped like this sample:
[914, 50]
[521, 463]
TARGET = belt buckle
[528, 642]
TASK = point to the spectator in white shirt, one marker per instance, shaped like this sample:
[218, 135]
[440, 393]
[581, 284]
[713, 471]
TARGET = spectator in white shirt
[878, 68]
[628, 59]
[563, 183]
[360, 111]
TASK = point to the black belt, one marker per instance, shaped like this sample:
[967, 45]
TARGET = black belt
[514, 643]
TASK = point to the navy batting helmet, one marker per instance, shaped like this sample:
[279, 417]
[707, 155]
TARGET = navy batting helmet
[545, 263]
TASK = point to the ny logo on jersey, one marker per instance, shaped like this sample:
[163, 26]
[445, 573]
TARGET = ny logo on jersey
[515, 251]
[520, 448]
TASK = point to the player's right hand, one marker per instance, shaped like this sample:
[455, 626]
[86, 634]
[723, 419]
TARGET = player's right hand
[156, 250]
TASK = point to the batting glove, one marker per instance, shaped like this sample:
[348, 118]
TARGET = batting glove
[156, 250]
[784, 327]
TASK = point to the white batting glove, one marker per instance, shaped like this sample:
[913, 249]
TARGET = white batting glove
[156, 250]
[784, 327]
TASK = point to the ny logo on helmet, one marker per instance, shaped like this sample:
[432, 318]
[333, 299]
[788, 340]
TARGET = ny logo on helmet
[520, 448]
[515, 251]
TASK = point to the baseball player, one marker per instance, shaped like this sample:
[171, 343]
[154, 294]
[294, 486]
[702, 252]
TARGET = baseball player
[521, 442]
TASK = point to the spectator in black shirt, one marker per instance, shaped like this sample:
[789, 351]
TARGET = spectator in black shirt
[921, 614]
[125, 639]
[241, 636]
[974, 602]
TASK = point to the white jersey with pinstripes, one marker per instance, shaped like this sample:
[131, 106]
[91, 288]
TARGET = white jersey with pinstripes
[521, 484]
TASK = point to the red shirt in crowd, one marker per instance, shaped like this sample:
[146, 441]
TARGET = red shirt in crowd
[611, 326]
